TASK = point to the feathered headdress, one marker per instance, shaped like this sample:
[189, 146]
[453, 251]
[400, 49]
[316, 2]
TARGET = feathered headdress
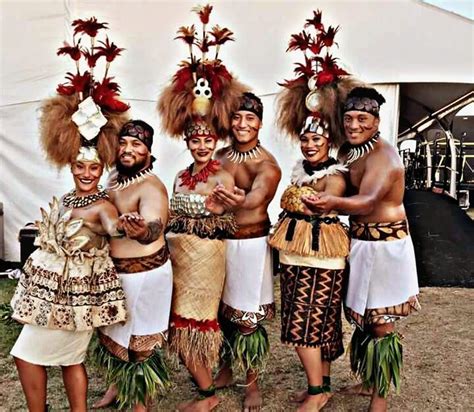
[87, 111]
[203, 93]
[311, 101]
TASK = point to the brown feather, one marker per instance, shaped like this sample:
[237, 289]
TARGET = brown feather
[291, 109]
[107, 140]
[331, 101]
[225, 106]
[175, 108]
[60, 137]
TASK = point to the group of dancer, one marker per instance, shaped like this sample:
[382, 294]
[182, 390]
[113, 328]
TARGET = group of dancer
[194, 273]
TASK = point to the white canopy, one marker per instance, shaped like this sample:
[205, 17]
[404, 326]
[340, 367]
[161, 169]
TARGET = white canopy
[385, 42]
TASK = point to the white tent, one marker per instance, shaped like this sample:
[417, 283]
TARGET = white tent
[385, 42]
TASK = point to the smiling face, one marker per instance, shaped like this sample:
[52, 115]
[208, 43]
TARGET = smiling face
[86, 176]
[360, 126]
[133, 155]
[201, 148]
[245, 127]
[315, 148]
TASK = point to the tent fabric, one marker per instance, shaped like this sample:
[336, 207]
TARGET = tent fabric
[386, 43]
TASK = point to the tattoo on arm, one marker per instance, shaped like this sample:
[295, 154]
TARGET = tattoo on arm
[154, 230]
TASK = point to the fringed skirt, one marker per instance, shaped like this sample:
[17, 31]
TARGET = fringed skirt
[311, 301]
[198, 280]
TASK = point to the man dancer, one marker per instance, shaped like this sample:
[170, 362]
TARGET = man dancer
[383, 282]
[248, 292]
[142, 262]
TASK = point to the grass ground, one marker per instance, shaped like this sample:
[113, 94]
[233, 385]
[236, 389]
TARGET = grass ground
[437, 376]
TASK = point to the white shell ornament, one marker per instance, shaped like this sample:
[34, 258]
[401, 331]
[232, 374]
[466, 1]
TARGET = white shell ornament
[312, 82]
[312, 101]
[202, 89]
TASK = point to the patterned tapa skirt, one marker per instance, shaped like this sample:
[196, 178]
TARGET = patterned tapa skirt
[311, 301]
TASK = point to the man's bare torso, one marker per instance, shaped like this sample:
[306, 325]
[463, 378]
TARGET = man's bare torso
[384, 157]
[129, 200]
[245, 174]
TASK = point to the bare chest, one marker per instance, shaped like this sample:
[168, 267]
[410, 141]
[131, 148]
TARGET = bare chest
[244, 173]
[126, 200]
[356, 172]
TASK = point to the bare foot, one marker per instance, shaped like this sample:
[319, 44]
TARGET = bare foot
[224, 378]
[300, 396]
[199, 405]
[108, 398]
[313, 403]
[253, 399]
[139, 407]
[356, 390]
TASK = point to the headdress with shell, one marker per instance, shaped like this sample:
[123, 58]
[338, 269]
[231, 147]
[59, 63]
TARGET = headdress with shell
[83, 120]
[203, 93]
[312, 101]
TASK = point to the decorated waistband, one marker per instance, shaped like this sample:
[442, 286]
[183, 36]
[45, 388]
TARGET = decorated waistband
[315, 222]
[205, 227]
[384, 231]
[252, 231]
[142, 263]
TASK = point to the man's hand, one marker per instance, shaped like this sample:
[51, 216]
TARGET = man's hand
[320, 203]
[133, 225]
[230, 200]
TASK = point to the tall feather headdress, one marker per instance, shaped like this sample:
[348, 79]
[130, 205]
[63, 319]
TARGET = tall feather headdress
[86, 111]
[202, 94]
[312, 101]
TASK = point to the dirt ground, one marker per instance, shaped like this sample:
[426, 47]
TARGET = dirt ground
[438, 372]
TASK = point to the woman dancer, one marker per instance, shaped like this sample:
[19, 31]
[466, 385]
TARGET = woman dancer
[198, 104]
[312, 248]
[69, 285]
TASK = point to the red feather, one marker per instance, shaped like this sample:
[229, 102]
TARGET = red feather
[299, 41]
[73, 51]
[182, 76]
[106, 95]
[315, 21]
[90, 26]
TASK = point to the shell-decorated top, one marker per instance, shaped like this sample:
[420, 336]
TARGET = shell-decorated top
[189, 204]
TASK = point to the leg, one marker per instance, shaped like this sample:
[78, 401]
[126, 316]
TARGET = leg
[207, 400]
[75, 382]
[224, 377]
[108, 399]
[379, 403]
[33, 380]
[253, 396]
[313, 366]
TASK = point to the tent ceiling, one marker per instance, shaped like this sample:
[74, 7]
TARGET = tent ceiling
[418, 100]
